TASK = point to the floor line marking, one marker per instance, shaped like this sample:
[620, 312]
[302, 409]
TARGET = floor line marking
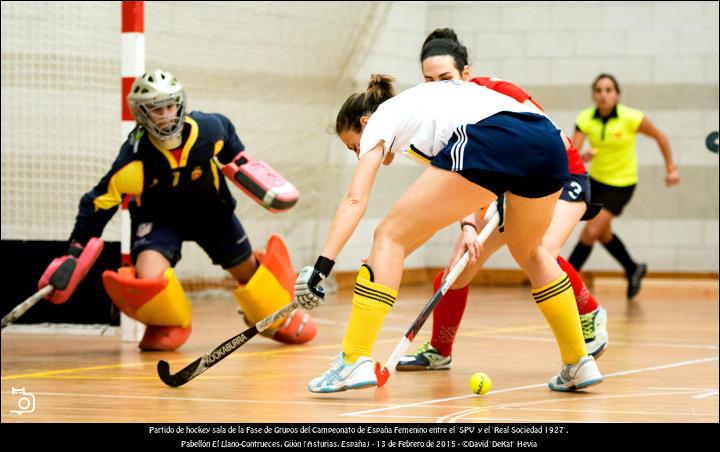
[237, 355]
[522, 388]
[613, 343]
[453, 417]
[638, 413]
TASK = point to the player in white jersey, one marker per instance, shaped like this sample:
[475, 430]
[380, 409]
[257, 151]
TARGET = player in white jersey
[482, 144]
[412, 120]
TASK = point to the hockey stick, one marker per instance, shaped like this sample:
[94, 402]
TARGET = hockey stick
[383, 373]
[59, 280]
[208, 360]
[20, 309]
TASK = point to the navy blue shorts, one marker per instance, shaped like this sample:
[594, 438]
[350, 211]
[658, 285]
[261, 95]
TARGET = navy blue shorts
[223, 239]
[577, 189]
[520, 153]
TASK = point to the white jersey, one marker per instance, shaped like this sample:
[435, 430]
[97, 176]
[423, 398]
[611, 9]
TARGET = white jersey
[420, 121]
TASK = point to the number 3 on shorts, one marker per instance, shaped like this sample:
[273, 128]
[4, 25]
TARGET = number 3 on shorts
[574, 189]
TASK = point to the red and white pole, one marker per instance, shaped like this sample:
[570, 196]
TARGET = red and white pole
[133, 66]
[133, 55]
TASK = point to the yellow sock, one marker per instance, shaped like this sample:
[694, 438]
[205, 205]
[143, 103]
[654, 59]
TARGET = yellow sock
[557, 303]
[371, 303]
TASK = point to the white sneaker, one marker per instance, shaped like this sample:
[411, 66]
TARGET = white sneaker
[577, 376]
[594, 327]
[341, 376]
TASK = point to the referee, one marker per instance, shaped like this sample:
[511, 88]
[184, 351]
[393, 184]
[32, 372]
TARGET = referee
[611, 129]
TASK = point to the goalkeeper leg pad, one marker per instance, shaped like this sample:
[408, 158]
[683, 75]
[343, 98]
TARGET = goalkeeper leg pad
[164, 338]
[159, 303]
[271, 288]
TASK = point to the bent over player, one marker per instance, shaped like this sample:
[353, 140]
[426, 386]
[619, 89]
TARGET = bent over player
[172, 164]
[482, 144]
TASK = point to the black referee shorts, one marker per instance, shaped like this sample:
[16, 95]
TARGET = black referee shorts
[612, 198]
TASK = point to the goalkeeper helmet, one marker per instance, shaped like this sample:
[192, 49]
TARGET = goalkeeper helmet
[152, 90]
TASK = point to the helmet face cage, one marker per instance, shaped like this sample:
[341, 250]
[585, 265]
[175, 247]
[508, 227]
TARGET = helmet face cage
[157, 89]
[143, 111]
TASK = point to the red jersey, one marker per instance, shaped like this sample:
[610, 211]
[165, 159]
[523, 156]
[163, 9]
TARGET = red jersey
[575, 163]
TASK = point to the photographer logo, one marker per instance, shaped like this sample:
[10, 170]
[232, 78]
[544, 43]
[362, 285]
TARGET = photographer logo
[26, 402]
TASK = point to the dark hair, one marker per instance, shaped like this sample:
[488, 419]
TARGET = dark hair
[608, 76]
[380, 88]
[444, 41]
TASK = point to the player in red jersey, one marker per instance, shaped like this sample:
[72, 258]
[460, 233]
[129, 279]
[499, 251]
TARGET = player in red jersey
[444, 58]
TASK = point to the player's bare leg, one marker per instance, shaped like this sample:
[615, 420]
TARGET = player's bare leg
[151, 264]
[243, 271]
[408, 225]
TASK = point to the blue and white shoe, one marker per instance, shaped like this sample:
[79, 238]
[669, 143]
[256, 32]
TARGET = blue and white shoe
[425, 358]
[341, 376]
[577, 376]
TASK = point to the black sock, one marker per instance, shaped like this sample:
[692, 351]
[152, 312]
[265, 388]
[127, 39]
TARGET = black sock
[579, 255]
[618, 251]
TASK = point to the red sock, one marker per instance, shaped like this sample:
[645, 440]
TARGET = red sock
[584, 299]
[447, 316]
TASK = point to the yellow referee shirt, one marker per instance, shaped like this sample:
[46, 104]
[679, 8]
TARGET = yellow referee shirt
[613, 139]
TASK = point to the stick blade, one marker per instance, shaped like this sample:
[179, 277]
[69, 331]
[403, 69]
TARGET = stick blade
[180, 378]
[163, 370]
[382, 374]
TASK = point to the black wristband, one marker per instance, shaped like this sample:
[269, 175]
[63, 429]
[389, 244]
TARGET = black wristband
[324, 265]
[467, 223]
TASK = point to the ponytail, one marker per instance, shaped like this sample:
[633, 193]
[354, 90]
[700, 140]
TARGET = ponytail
[379, 89]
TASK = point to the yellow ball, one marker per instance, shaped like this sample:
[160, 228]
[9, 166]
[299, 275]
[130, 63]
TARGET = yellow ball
[480, 383]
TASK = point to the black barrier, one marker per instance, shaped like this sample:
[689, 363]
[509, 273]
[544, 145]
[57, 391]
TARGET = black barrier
[25, 262]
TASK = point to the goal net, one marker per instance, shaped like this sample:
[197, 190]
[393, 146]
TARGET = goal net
[278, 70]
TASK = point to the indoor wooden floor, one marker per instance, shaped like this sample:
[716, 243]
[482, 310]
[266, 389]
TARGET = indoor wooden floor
[661, 366]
